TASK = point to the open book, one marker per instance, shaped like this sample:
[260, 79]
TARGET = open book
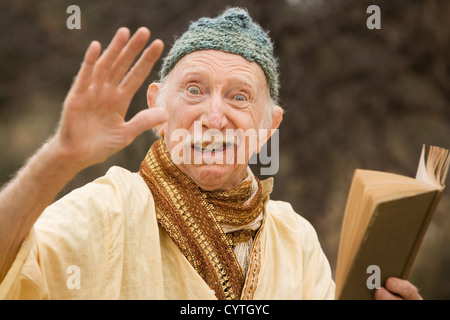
[385, 220]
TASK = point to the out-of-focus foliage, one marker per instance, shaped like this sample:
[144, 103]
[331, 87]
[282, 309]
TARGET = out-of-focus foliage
[354, 97]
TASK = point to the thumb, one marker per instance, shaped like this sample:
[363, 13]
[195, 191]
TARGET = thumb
[145, 120]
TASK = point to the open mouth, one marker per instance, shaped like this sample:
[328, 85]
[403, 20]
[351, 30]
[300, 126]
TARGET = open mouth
[212, 147]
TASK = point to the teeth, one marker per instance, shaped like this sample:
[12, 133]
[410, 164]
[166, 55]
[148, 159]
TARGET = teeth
[214, 147]
[209, 147]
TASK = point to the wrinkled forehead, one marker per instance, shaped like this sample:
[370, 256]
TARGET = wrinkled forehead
[220, 65]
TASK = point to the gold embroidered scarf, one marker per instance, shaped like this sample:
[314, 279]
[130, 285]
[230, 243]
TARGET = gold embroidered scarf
[193, 217]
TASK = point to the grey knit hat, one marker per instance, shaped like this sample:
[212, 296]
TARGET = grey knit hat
[233, 31]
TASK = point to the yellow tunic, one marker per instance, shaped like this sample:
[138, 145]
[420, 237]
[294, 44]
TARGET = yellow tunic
[102, 241]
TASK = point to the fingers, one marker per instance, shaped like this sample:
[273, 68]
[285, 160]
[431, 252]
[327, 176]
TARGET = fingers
[403, 288]
[128, 54]
[84, 76]
[145, 120]
[398, 289]
[383, 294]
[113, 64]
[103, 66]
[136, 76]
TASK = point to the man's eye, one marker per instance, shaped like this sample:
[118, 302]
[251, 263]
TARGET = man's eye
[239, 97]
[193, 90]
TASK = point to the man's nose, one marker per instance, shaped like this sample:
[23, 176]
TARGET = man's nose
[214, 116]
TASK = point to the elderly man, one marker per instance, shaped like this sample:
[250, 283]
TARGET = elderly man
[176, 229]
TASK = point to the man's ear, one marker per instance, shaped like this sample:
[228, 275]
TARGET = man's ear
[152, 95]
[277, 117]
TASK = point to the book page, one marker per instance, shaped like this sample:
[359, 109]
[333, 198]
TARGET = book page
[435, 169]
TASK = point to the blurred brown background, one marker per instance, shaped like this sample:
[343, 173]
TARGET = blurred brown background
[354, 97]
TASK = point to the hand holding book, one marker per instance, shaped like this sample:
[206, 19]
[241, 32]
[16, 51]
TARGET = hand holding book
[397, 289]
[385, 220]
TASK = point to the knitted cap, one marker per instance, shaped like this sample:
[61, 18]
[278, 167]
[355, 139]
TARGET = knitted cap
[233, 31]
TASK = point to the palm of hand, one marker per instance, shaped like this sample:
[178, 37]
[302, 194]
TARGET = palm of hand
[93, 125]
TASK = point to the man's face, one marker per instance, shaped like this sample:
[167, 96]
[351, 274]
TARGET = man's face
[212, 91]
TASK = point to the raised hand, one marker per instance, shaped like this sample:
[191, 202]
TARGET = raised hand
[93, 125]
[92, 128]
